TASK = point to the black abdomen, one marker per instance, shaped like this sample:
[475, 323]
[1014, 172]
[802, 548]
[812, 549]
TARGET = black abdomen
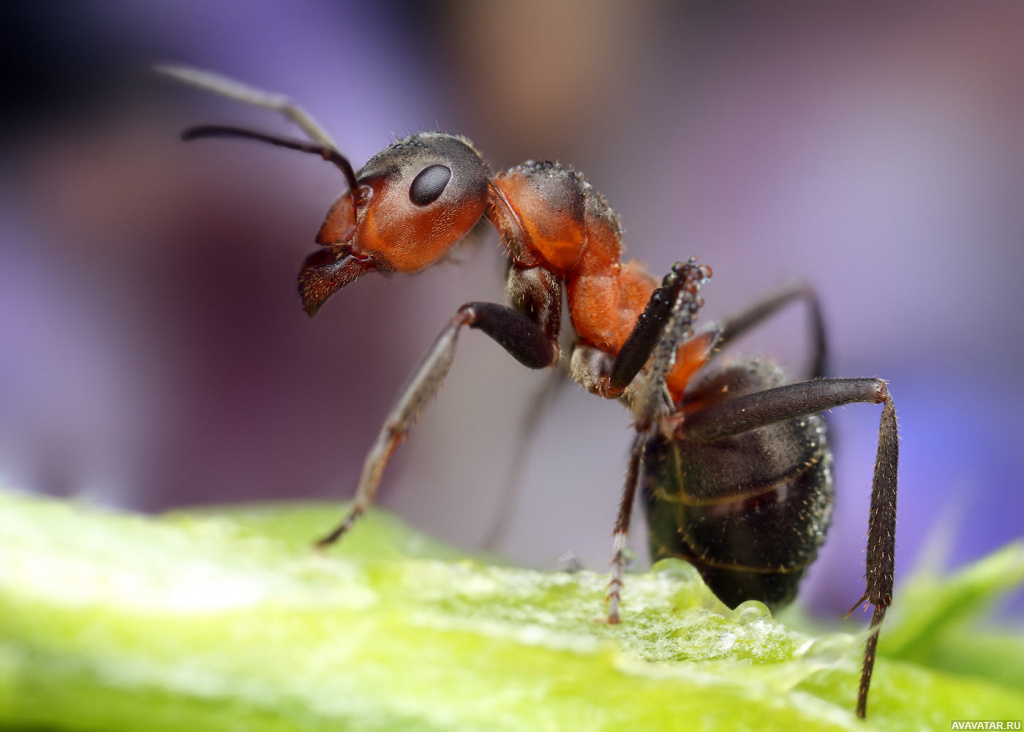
[749, 511]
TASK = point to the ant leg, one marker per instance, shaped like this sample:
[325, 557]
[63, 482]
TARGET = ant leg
[664, 326]
[744, 413]
[538, 293]
[516, 333]
[737, 324]
[621, 532]
[664, 306]
[246, 94]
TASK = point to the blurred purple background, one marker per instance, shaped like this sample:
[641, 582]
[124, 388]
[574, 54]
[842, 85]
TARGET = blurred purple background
[153, 352]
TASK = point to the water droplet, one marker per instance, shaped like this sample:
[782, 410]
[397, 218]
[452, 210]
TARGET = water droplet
[677, 569]
[753, 611]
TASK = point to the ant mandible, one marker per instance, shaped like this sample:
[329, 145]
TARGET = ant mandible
[732, 463]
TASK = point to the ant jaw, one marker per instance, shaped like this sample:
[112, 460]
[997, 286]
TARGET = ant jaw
[328, 270]
[340, 224]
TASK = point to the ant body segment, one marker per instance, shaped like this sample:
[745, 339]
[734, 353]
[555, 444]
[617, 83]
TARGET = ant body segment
[732, 462]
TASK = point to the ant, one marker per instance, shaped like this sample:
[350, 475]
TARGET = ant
[732, 462]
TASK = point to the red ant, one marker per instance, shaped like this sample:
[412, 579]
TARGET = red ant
[732, 463]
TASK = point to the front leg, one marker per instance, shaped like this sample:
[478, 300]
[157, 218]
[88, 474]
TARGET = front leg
[516, 333]
[529, 333]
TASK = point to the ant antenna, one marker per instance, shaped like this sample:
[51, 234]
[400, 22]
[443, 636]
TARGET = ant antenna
[327, 153]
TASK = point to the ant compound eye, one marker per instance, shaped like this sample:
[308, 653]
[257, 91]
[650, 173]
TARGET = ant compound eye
[429, 184]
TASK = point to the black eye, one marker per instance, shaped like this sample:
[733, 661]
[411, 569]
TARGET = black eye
[429, 184]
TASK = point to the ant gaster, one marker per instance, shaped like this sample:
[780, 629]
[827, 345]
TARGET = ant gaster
[732, 462]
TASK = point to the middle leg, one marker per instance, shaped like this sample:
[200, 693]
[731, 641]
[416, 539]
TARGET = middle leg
[735, 325]
[662, 328]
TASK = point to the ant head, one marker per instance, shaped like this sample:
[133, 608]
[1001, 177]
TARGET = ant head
[412, 202]
[409, 205]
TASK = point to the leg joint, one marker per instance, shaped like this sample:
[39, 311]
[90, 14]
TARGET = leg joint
[521, 337]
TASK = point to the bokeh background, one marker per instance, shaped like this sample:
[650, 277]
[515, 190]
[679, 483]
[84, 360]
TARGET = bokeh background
[153, 352]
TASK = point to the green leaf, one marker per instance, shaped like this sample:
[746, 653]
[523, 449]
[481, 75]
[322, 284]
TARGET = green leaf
[936, 613]
[229, 620]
